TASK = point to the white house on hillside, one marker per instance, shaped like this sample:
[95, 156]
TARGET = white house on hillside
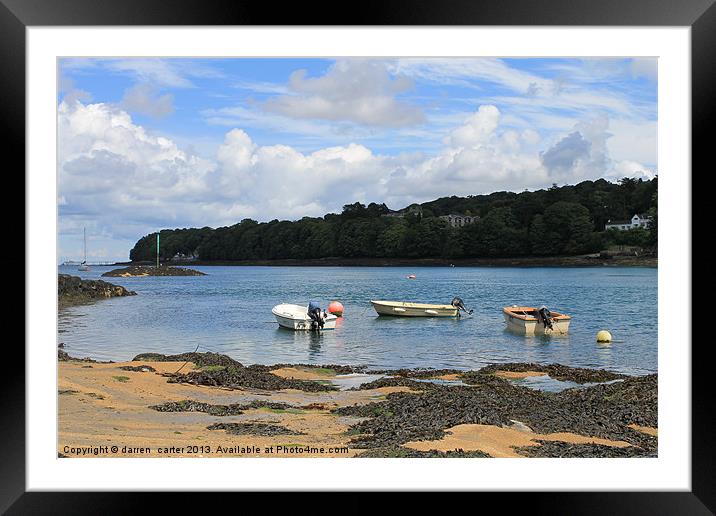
[458, 221]
[637, 221]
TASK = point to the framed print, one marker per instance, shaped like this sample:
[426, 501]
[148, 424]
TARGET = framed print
[426, 249]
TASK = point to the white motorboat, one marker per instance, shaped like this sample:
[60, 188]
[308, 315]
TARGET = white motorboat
[406, 309]
[295, 317]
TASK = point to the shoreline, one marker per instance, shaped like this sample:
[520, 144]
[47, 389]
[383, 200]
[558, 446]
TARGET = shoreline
[547, 261]
[207, 404]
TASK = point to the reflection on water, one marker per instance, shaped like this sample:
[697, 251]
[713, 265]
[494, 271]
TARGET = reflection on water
[549, 384]
[229, 311]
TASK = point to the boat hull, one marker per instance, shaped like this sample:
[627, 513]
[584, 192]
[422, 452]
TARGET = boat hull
[295, 317]
[403, 309]
[517, 321]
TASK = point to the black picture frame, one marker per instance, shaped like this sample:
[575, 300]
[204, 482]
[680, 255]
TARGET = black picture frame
[17, 15]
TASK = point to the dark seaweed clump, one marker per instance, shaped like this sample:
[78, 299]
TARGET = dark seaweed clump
[559, 449]
[200, 359]
[63, 356]
[232, 375]
[138, 369]
[394, 381]
[217, 410]
[338, 369]
[262, 429]
[556, 371]
[599, 411]
[418, 372]
[400, 452]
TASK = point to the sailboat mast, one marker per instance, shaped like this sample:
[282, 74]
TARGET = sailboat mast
[157, 249]
[84, 235]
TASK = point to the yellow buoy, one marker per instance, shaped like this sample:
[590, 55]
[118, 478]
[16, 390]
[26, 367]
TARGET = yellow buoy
[604, 336]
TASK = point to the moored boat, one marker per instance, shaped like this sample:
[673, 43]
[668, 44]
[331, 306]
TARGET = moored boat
[83, 266]
[406, 309]
[529, 320]
[295, 317]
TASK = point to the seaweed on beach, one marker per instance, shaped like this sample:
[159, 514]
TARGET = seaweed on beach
[261, 429]
[557, 371]
[235, 377]
[63, 356]
[199, 359]
[404, 417]
[418, 372]
[401, 452]
[138, 369]
[233, 409]
[560, 449]
[231, 375]
[598, 411]
[335, 368]
[394, 381]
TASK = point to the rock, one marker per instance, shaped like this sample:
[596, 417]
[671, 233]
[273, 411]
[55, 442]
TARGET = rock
[146, 270]
[73, 290]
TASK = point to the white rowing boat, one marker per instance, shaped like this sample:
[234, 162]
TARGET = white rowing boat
[295, 317]
[406, 309]
[526, 320]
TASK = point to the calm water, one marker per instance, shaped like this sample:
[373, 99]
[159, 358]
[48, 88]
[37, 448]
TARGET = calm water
[229, 311]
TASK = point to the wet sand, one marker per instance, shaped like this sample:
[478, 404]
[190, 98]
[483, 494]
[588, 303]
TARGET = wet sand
[103, 405]
[502, 441]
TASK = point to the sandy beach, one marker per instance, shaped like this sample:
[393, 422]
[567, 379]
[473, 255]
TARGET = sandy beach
[174, 408]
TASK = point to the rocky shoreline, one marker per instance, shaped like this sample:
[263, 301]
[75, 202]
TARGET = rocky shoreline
[592, 260]
[134, 271]
[405, 413]
[72, 290]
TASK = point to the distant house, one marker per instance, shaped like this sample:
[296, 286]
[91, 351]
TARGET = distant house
[637, 221]
[458, 221]
[181, 257]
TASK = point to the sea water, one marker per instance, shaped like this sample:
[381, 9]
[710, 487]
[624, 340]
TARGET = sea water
[229, 311]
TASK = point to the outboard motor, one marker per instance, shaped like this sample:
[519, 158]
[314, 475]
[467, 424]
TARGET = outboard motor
[314, 312]
[457, 303]
[545, 316]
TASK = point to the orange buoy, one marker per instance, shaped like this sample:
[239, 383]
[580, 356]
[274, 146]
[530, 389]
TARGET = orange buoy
[336, 308]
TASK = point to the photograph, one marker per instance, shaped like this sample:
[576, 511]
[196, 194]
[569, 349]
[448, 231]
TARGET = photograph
[358, 257]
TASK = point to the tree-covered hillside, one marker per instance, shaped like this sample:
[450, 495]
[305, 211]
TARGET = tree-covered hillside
[565, 220]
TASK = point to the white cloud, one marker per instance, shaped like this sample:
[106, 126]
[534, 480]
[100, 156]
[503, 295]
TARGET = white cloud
[479, 127]
[353, 90]
[633, 169]
[144, 99]
[634, 140]
[124, 182]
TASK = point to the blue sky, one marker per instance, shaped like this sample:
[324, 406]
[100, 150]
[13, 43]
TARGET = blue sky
[146, 144]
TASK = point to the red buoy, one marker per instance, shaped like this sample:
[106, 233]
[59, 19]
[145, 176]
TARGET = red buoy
[336, 308]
